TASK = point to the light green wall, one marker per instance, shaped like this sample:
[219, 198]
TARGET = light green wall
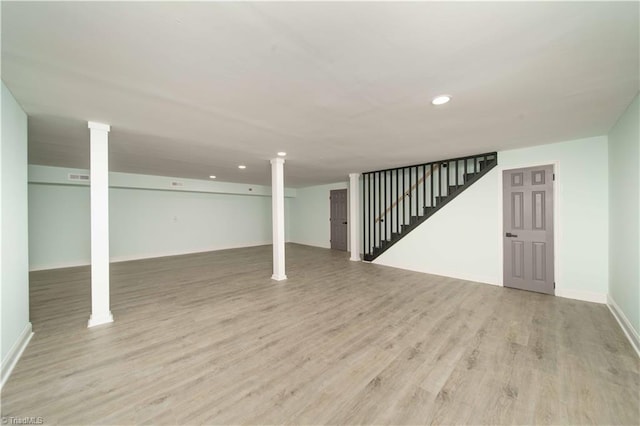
[59, 175]
[464, 240]
[59, 226]
[149, 219]
[624, 214]
[583, 214]
[143, 222]
[14, 290]
[310, 215]
[157, 223]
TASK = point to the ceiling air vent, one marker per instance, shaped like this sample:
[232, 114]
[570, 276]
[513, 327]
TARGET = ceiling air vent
[78, 177]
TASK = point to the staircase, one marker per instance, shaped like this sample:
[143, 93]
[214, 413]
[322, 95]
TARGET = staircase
[395, 201]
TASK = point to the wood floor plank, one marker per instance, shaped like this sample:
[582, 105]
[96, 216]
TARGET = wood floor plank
[209, 338]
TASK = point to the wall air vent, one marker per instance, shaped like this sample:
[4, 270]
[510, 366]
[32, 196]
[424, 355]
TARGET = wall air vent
[78, 177]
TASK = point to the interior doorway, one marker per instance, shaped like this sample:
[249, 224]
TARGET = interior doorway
[528, 229]
[338, 219]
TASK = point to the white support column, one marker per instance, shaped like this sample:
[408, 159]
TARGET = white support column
[100, 311]
[354, 216]
[277, 203]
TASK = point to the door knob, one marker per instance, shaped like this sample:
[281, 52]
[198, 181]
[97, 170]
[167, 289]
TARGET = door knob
[510, 235]
[344, 223]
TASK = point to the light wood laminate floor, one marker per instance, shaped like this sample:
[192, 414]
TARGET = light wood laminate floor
[209, 338]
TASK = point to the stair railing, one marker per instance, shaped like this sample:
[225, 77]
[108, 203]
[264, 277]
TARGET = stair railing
[396, 200]
[407, 194]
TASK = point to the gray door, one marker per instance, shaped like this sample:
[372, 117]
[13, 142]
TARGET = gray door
[528, 229]
[338, 219]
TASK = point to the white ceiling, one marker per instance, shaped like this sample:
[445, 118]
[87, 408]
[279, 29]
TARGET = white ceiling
[193, 89]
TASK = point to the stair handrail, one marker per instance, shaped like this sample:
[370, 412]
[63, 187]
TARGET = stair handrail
[406, 193]
[377, 238]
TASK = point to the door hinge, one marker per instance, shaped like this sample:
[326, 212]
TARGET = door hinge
[554, 176]
[554, 284]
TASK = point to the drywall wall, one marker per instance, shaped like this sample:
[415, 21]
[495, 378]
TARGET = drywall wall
[60, 175]
[158, 223]
[145, 221]
[59, 226]
[14, 275]
[624, 218]
[464, 239]
[310, 213]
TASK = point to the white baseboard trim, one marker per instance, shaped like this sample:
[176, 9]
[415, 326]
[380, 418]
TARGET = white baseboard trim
[95, 320]
[625, 324]
[278, 277]
[15, 353]
[116, 259]
[586, 296]
[308, 244]
[465, 277]
[59, 265]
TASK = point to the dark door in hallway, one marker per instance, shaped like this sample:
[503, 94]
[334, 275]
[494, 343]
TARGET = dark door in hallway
[338, 200]
[528, 229]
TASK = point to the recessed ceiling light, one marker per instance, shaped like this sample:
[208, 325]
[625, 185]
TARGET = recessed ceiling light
[242, 166]
[441, 100]
[282, 154]
[212, 177]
